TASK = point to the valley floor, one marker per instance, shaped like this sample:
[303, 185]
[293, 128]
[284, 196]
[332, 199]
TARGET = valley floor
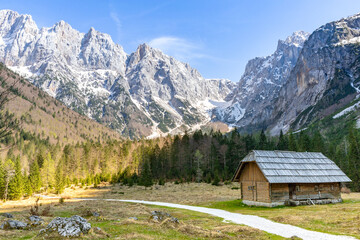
[114, 221]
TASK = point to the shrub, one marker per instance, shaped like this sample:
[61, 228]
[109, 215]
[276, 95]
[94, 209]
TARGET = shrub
[161, 182]
[216, 180]
[35, 210]
[227, 182]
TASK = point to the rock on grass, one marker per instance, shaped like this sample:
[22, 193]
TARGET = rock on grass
[13, 224]
[74, 226]
[7, 215]
[35, 220]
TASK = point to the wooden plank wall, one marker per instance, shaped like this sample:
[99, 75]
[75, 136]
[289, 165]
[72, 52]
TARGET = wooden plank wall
[254, 186]
[317, 191]
[247, 194]
[304, 191]
[251, 172]
[263, 191]
[279, 192]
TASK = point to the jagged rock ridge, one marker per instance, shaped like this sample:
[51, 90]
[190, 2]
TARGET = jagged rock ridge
[141, 94]
[252, 101]
[307, 78]
[326, 76]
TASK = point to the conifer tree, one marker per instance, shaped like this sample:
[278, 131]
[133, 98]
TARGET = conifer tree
[34, 177]
[48, 172]
[16, 184]
[263, 144]
[318, 144]
[199, 172]
[249, 143]
[2, 180]
[28, 189]
[216, 180]
[354, 158]
[292, 142]
[304, 142]
[59, 178]
[9, 172]
[145, 176]
[282, 143]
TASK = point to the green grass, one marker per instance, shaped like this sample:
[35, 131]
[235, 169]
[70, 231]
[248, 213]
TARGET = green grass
[116, 229]
[238, 206]
[337, 219]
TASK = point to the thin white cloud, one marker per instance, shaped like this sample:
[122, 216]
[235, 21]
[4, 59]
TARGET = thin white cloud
[179, 48]
[117, 22]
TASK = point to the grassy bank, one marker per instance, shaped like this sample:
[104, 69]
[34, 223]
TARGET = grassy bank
[115, 223]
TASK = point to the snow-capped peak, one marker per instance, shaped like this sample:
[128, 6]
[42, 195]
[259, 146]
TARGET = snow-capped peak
[136, 94]
[297, 38]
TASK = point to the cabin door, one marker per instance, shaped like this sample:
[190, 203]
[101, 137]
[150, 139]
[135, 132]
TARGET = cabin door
[292, 191]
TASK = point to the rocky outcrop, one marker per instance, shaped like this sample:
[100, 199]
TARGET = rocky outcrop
[35, 220]
[13, 224]
[306, 79]
[325, 78]
[251, 104]
[74, 226]
[7, 215]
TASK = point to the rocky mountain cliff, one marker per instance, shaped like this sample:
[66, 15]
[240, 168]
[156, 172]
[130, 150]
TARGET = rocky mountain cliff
[145, 93]
[326, 76]
[251, 104]
[148, 93]
[307, 78]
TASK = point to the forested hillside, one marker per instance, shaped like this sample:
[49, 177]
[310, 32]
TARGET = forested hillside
[47, 117]
[35, 164]
[54, 147]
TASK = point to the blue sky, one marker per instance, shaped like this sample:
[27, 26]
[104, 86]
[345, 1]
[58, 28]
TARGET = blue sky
[216, 37]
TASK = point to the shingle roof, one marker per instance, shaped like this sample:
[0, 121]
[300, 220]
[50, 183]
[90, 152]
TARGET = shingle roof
[294, 167]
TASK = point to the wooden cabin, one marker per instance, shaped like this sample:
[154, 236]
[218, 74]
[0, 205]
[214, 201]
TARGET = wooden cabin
[272, 178]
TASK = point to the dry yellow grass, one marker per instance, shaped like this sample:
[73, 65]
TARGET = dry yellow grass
[187, 193]
[341, 218]
[114, 220]
[334, 218]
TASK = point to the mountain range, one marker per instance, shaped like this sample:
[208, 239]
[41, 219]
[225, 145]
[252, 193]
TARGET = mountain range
[307, 78]
[141, 94]
[147, 93]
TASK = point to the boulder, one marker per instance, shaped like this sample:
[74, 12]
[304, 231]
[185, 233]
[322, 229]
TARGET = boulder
[95, 214]
[159, 216]
[13, 224]
[35, 220]
[74, 226]
[7, 215]
[174, 220]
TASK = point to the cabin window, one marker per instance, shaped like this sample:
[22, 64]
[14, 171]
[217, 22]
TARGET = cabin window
[297, 188]
[250, 188]
[332, 187]
[316, 188]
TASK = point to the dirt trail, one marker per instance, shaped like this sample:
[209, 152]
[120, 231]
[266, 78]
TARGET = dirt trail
[284, 230]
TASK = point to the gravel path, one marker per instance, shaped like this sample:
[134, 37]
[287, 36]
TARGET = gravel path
[284, 230]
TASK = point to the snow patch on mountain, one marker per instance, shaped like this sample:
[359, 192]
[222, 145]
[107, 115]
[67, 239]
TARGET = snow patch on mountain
[347, 110]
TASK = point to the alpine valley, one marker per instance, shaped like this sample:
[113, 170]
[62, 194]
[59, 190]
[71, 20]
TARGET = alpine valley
[147, 93]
